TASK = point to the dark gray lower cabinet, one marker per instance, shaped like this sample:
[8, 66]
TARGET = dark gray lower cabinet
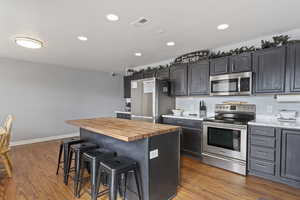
[262, 150]
[191, 136]
[290, 152]
[274, 154]
[191, 140]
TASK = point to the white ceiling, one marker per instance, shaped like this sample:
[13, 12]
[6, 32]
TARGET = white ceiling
[191, 24]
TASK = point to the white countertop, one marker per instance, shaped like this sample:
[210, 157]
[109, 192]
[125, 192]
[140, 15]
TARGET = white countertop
[261, 120]
[123, 112]
[184, 117]
[273, 122]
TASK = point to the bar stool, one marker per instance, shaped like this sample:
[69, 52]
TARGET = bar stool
[64, 148]
[93, 158]
[78, 150]
[115, 168]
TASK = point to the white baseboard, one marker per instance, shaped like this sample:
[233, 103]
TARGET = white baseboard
[44, 139]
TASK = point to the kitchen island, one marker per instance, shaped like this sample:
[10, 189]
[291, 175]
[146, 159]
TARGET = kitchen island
[156, 148]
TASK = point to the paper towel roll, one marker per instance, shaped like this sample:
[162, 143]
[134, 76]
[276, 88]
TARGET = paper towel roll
[288, 98]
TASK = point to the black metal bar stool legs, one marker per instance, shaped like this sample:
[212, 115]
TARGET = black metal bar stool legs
[59, 157]
[64, 148]
[93, 158]
[78, 150]
[115, 168]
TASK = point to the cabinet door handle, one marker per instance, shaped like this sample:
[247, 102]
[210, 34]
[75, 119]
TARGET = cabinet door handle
[263, 152]
[261, 165]
[232, 67]
[180, 122]
[260, 140]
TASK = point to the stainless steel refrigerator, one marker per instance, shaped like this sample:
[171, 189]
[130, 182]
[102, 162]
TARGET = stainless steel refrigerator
[150, 99]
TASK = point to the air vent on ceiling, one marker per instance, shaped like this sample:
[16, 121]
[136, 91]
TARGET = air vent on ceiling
[140, 22]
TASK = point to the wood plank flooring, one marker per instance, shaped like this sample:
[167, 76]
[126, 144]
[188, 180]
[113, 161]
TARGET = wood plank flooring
[34, 179]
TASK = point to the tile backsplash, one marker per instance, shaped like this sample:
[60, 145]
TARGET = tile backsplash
[265, 105]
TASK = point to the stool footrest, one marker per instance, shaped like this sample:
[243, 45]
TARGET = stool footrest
[104, 192]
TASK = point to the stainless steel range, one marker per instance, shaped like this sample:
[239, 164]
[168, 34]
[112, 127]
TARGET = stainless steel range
[225, 137]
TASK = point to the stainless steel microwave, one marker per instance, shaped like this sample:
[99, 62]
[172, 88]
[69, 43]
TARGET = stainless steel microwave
[231, 84]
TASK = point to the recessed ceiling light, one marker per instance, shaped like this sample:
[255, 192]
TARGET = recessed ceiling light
[171, 43]
[28, 42]
[82, 38]
[112, 17]
[223, 26]
[138, 54]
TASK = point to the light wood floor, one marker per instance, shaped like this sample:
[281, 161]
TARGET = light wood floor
[34, 179]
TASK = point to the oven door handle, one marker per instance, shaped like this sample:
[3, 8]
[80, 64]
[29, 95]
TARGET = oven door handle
[225, 126]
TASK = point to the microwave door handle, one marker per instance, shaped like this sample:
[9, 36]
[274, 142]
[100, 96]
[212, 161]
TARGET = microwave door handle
[239, 84]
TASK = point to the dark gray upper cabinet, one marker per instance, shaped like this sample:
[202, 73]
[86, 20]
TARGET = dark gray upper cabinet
[219, 66]
[290, 152]
[293, 68]
[198, 78]
[149, 73]
[178, 78]
[163, 73]
[269, 70]
[127, 86]
[240, 63]
[138, 75]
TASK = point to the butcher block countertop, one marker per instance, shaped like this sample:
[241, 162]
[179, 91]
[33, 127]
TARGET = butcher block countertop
[123, 129]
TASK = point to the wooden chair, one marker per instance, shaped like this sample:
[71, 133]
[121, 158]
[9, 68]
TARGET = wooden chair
[5, 132]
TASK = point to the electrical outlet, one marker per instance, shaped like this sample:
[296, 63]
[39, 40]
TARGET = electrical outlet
[269, 109]
[153, 154]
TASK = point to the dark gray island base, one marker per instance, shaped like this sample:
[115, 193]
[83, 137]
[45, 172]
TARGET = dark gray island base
[158, 175]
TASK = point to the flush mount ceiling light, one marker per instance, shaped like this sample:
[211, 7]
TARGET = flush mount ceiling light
[170, 44]
[138, 54]
[223, 26]
[28, 42]
[82, 38]
[112, 17]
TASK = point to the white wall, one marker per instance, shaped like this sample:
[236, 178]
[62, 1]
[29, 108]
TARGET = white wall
[294, 34]
[156, 64]
[265, 104]
[42, 97]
